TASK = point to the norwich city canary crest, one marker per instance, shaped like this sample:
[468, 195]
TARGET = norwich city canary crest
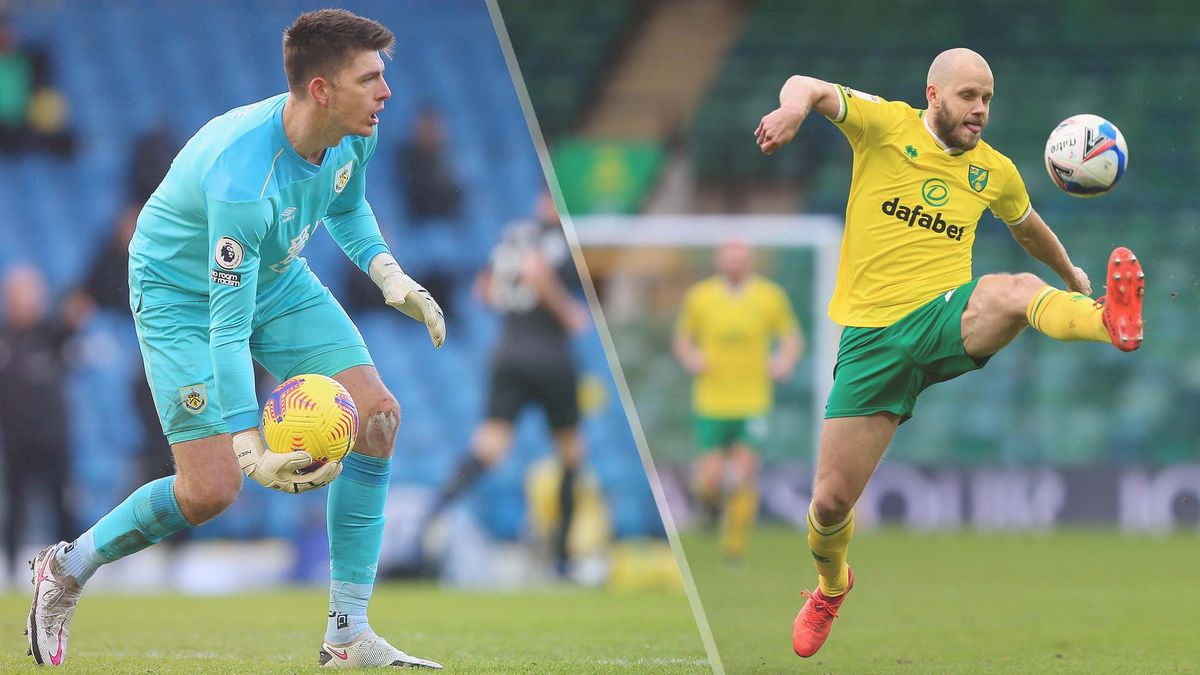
[977, 177]
[195, 398]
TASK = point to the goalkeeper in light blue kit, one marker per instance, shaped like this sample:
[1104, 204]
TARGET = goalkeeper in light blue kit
[216, 279]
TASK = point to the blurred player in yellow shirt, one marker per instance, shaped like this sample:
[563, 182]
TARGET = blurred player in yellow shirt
[724, 337]
[913, 313]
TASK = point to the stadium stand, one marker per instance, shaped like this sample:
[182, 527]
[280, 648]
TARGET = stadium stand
[563, 48]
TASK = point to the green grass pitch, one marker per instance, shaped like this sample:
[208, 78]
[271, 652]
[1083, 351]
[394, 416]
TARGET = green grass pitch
[555, 631]
[1068, 602]
[1073, 602]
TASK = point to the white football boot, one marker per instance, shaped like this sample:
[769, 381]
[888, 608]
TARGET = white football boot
[55, 598]
[371, 651]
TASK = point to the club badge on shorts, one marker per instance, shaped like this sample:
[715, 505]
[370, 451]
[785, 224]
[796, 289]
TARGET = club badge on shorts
[195, 398]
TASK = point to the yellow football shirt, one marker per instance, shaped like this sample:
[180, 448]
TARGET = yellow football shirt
[734, 330]
[912, 211]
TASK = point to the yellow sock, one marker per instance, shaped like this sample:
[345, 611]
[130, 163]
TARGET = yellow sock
[740, 513]
[1066, 316]
[829, 546]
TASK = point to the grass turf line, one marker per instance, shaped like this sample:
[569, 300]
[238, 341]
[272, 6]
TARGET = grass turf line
[567, 631]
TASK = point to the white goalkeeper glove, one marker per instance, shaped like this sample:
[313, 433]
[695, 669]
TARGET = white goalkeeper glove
[280, 470]
[406, 295]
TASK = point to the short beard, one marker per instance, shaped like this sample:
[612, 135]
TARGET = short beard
[952, 132]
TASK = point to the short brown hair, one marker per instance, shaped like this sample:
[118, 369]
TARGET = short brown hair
[321, 43]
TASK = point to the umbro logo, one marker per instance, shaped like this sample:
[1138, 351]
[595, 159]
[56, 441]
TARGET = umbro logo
[287, 214]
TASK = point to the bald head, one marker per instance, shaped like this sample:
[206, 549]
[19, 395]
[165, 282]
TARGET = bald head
[959, 91]
[952, 64]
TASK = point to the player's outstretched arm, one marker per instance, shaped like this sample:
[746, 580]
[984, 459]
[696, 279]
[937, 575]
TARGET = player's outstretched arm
[800, 95]
[1039, 241]
[406, 295]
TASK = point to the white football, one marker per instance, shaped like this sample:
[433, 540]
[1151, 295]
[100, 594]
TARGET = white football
[1086, 155]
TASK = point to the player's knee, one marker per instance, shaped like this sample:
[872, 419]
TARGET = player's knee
[1009, 294]
[746, 473]
[706, 483]
[387, 409]
[383, 422]
[1021, 290]
[1026, 285]
[203, 500]
[219, 498]
[831, 508]
[706, 474]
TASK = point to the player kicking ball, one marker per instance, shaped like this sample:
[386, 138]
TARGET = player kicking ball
[215, 280]
[912, 312]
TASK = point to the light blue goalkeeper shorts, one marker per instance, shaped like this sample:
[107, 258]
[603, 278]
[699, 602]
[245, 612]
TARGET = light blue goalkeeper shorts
[299, 327]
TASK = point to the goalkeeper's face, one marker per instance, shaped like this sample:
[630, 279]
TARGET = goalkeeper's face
[959, 108]
[357, 94]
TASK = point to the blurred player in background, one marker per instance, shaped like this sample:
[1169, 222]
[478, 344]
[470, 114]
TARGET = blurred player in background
[913, 314]
[216, 281]
[529, 280]
[724, 338]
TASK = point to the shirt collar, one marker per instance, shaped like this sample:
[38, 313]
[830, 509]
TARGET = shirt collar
[732, 288]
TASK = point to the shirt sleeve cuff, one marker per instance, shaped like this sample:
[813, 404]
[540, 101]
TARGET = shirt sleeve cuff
[364, 263]
[242, 421]
[843, 105]
[1023, 218]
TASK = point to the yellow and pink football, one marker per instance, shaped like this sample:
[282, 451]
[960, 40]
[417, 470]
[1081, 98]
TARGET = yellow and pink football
[312, 413]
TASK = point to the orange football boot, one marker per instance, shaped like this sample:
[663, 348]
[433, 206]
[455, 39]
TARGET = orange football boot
[812, 624]
[1126, 285]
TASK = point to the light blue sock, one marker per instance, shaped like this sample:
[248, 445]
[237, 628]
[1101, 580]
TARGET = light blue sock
[355, 521]
[146, 517]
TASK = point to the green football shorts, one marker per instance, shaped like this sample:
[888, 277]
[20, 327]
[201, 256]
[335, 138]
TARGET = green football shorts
[719, 433]
[884, 369]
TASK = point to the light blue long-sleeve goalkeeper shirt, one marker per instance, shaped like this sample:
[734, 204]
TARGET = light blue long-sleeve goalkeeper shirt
[230, 220]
